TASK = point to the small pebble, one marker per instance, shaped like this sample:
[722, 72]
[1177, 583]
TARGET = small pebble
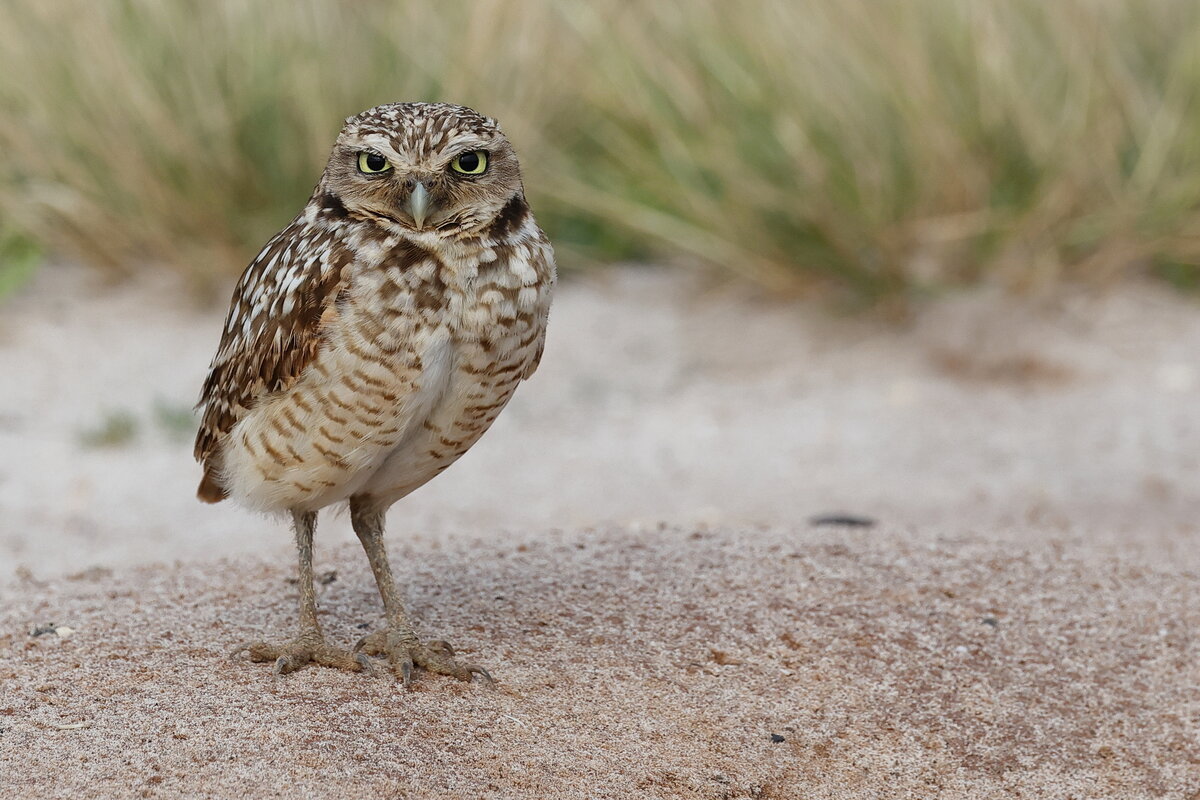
[848, 520]
[990, 621]
[324, 579]
[776, 738]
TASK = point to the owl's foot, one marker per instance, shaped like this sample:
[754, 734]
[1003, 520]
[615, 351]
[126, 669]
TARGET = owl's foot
[404, 651]
[308, 647]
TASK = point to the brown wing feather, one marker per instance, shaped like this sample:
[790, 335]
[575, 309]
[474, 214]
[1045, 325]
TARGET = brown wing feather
[543, 264]
[532, 366]
[271, 335]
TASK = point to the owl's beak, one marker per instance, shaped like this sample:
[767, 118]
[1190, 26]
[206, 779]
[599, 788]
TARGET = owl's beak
[418, 205]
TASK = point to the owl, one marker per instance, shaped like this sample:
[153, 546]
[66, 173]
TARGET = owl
[371, 343]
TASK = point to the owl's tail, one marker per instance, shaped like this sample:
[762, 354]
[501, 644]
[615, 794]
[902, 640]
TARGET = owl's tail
[211, 490]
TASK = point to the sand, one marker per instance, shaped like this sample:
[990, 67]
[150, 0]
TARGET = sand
[628, 551]
[630, 664]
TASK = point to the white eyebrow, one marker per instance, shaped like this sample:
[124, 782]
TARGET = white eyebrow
[381, 143]
[470, 143]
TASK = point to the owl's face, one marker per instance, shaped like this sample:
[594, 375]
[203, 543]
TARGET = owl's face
[428, 167]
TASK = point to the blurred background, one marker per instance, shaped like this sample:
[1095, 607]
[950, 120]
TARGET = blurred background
[929, 260]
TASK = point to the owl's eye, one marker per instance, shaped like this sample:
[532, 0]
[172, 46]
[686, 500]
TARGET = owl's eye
[372, 162]
[472, 163]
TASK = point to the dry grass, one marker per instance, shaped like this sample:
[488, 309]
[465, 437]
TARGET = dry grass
[872, 146]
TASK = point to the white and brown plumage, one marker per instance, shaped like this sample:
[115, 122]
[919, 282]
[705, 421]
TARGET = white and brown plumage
[373, 341]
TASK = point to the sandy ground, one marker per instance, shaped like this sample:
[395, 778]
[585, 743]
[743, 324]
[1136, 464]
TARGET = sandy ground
[1021, 622]
[675, 663]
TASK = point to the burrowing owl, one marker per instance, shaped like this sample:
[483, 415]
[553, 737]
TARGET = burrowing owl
[372, 342]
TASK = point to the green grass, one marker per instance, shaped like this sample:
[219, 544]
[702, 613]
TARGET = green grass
[19, 260]
[873, 148]
[176, 421]
[116, 428]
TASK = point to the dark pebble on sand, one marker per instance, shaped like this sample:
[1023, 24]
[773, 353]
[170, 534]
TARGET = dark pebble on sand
[848, 520]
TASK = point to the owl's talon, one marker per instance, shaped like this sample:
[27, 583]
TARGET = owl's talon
[308, 647]
[474, 670]
[237, 651]
[405, 652]
[406, 668]
[373, 644]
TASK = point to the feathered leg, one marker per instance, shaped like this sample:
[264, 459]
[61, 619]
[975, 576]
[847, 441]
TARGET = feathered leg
[399, 643]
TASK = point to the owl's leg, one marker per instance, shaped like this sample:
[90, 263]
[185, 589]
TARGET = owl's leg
[399, 643]
[310, 644]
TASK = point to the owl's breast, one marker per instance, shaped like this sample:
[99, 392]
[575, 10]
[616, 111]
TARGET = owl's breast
[477, 387]
[419, 357]
[495, 318]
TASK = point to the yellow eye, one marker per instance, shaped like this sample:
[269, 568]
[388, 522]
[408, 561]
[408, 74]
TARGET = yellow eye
[372, 162]
[472, 163]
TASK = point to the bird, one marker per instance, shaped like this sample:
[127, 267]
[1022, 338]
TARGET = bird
[370, 344]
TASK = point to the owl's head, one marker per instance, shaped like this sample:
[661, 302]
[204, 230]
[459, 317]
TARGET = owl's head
[429, 167]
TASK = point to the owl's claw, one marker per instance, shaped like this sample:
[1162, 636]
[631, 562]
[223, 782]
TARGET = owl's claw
[373, 643]
[404, 651]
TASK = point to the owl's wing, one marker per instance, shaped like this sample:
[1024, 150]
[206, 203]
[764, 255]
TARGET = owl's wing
[542, 262]
[532, 366]
[272, 333]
